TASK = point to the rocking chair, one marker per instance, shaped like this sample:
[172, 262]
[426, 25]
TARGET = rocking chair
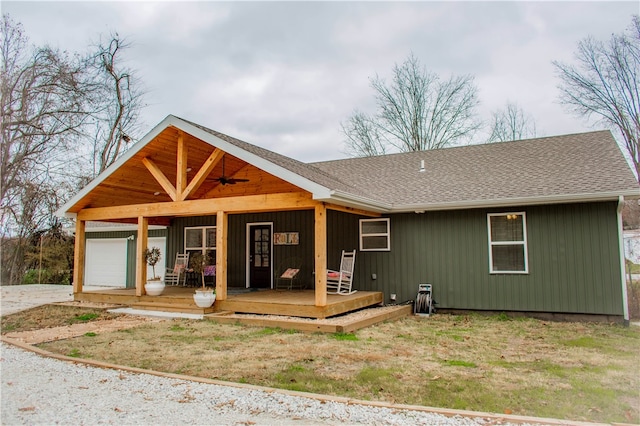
[340, 282]
[173, 275]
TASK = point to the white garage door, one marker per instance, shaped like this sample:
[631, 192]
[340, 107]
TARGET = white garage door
[106, 262]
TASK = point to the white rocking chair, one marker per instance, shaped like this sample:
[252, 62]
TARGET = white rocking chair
[340, 282]
[172, 275]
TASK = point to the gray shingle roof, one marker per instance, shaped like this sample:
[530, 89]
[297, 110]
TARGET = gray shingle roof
[558, 169]
[314, 174]
[568, 166]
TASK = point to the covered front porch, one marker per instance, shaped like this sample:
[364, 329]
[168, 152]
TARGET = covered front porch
[300, 303]
[181, 173]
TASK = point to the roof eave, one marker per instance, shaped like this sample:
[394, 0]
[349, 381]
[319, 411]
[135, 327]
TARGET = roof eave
[64, 210]
[314, 188]
[513, 202]
[355, 201]
[318, 191]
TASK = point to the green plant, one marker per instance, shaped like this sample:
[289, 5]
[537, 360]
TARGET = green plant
[198, 262]
[344, 336]
[152, 256]
[502, 316]
[85, 317]
[75, 353]
[34, 276]
[459, 363]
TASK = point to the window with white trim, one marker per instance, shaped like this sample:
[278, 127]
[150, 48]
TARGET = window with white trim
[201, 239]
[375, 234]
[507, 243]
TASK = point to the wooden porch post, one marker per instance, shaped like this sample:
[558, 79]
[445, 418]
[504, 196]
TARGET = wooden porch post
[222, 225]
[79, 252]
[320, 248]
[141, 265]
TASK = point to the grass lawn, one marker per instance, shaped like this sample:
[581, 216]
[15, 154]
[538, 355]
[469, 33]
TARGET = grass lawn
[633, 267]
[575, 371]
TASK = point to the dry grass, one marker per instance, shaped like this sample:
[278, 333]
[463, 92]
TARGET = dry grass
[48, 316]
[563, 370]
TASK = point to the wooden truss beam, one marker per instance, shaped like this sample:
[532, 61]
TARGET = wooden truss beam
[202, 174]
[160, 177]
[245, 204]
[181, 167]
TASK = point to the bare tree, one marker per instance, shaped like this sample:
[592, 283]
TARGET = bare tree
[510, 124]
[50, 104]
[605, 84]
[41, 104]
[115, 103]
[363, 137]
[42, 114]
[417, 111]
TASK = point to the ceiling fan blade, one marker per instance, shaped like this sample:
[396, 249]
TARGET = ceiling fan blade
[224, 180]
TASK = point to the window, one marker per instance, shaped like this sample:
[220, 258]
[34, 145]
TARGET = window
[507, 243]
[200, 240]
[375, 235]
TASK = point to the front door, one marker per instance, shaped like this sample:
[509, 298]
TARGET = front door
[260, 258]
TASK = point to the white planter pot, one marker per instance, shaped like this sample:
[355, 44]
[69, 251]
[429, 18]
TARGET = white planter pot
[204, 298]
[154, 288]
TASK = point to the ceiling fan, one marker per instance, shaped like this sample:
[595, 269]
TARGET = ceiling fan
[224, 180]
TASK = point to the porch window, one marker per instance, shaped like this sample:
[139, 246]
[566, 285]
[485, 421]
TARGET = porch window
[200, 240]
[375, 235]
[507, 243]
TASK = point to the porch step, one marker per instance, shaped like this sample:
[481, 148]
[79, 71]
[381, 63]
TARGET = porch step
[172, 307]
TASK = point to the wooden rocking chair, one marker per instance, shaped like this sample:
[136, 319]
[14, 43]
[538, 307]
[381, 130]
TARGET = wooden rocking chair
[172, 275]
[340, 282]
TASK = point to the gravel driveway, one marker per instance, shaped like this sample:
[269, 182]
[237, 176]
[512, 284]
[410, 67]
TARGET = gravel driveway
[43, 391]
[17, 298]
[38, 390]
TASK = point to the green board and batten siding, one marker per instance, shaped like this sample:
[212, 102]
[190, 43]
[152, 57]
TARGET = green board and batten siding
[290, 221]
[574, 264]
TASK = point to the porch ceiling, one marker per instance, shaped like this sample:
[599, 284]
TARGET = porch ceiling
[133, 182]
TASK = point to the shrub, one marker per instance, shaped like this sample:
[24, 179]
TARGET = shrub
[46, 277]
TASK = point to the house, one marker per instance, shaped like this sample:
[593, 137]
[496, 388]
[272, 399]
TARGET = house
[529, 226]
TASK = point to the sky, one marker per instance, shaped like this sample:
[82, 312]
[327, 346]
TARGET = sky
[285, 75]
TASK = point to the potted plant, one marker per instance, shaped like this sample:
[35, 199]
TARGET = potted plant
[154, 285]
[203, 297]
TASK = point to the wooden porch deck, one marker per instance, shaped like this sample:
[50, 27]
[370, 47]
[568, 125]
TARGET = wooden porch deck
[289, 303]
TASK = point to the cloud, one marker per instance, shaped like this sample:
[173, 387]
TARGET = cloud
[285, 74]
